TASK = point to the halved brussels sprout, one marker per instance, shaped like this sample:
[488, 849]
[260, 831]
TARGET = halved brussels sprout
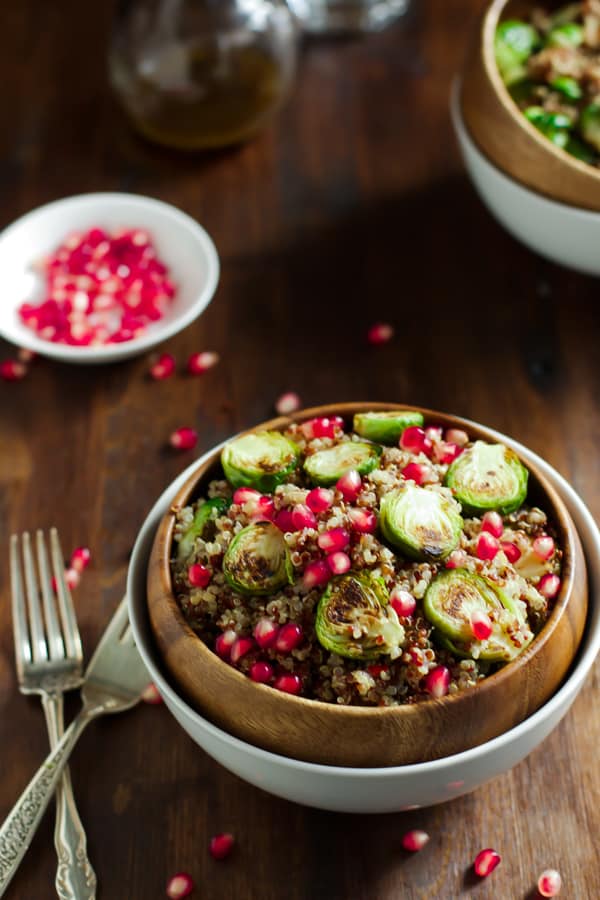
[386, 427]
[423, 524]
[354, 618]
[514, 42]
[488, 476]
[590, 124]
[202, 517]
[257, 560]
[568, 35]
[449, 604]
[327, 466]
[554, 126]
[569, 87]
[261, 460]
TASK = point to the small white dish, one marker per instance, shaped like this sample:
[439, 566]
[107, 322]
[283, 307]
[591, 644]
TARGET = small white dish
[182, 244]
[563, 234]
[375, 790]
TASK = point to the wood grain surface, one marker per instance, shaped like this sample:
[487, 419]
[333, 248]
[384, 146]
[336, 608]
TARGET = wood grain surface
[352, 207]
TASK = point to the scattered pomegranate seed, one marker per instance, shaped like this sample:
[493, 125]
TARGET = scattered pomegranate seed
[184, 439]
[261, 672]
[316, 573]
[287, 403]
[415, 440]
[434, 432]
[487, 545]
[446, 452]
[363, 520]
[549, 586]
[289, 637]
[549, 883]
[322, 427]
[163, 368]
[350, 485]
[303, 517]
[72, 577]
[334, 539]
[199, 576]
[150, 695]
[319, 499]
[339, 562]
[180, 885]
[492, 523]
[511, 551]
[415, 840]
[289, 684]
[25, 356]
[240, 647]
[481, 625]
[437, 681]
[284, 520]
[380, 333]
[457, 436]
[485, 862]
[224, 643]
[80, 559]
[415, 472]
[12, 370]
[457, 559]
[199, 363]
[221, 845]
[403, 602]
[543, 546]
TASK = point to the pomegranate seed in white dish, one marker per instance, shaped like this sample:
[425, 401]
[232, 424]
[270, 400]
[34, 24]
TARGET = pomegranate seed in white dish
[261, 672]
[485, 862]
[240, 647]
[289, 684]
[350, 485]
[221, 845]
[364, 521]
[380, 333]
[163, 367]
[481, 625]
[224, 643]
[265, 632]
[12, 370]
[287, 403]
[179, 886]
[199, 363]
[437, 681]
[492, 522]
[487, 545]
[415, 840]
[511, 551]
[151, 695]
[333, 540]
[288, 638]
[457, 436]
[184, 439]
[339, 562]
[80, 559]
[549, 883]
[543, 546]
[549, 586]
[403, 602]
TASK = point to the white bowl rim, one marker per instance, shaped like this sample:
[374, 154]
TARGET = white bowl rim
[160, 331]
[569, 688]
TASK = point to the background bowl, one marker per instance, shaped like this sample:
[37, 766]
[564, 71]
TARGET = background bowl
[501, 131]
[368, 736]
[369, 790]
[183, 245]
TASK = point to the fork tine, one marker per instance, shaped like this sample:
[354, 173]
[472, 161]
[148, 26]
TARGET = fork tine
[116, 628]
[65, 604]
[36, 623]
[55, 642]
[19, 615]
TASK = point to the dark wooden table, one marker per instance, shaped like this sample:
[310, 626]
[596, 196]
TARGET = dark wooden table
[352, 207]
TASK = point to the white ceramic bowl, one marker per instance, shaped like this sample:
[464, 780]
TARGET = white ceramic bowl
[182, 244]
[371, 790]
[561, 233]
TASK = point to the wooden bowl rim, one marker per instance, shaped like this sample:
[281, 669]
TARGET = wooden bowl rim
[558, 513]
[488, 32]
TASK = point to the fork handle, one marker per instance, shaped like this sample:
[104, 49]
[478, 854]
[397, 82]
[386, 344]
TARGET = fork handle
[75, 877]
[22, 821]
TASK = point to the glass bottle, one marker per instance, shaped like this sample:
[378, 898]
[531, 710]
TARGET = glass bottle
[347, 16]
[195, 74]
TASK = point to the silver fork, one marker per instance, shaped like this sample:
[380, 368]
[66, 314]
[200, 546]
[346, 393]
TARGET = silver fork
[49, 661]
[114, 681]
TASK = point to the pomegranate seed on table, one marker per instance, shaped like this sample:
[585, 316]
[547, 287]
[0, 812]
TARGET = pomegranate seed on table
[80, 559]
[12, 370]
[72, 577]
[549, 883]
[289, 637]
[403, 602]
[437, 681]
[319, 499]
[284, 521]
[180, 885]
[261, 672]
[240, 647]
[487, 545]
[457, 436]
[543, 546]
[163, 368]
[25, 356]
[457, 559]
[511, 551]
[199, 575]
[287, 403]
[265, 632]
[316, 573]
[350, 485]
[199, 363]
[334, 539]
[151, 695]
[221, 845]
[339, 562]
[415, 440]
[415, 840]
[380, 333]
[415, 472]
[184, 439]
[303, 517]
[485, 862]
[481, 625]
[549, 586]
[492, 523]
[224, 643]
[364, 521]
[288, 684]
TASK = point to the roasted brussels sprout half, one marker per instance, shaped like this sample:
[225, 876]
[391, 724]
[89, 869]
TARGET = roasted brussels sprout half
[514, 42]
[568, 35]
[261, 460]
[423, 524]
[488, 476]
[554, 126]
[590, 124]
[354, 618]
[450, 602]
[257, 560]
[385, 427]
[326, 467]
[203, 515]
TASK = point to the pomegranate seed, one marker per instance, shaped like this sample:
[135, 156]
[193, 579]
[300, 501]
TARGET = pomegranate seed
[221, 845]
[415, 472]
[224, 643]
[245, 495]
[485, 862]
[350, 485]
[284, 520]
[265, 632]
[264, 510]
[198, 363]
[334, 539]
[12, 370]
[363, 520]
[543, 546]
[240, 647]
[339, 562]
[150, 695]
[457, 436]
[322, 427]
[319, 499]
[415, 440]
[377, 669]
[481, 625]
[445, 453]
[511, 551]
[492, 523]
[25, 356]
[289, 684]
[437, 681]
[549, 883]
[456, 560]
[287, 403]
[316, 573]
[289, 637]
[80, 559]
[72, 578]
[163, 367]
[549, 586]
[403, 602]
[198, 575]
[180, 885]
[487, 545]
[434, 433]
[303, 517]
[415, 840]
[184, 439]
[380, 333]
[261, 672]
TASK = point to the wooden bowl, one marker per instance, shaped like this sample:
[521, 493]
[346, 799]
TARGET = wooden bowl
[502, 132]
[375, 736]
